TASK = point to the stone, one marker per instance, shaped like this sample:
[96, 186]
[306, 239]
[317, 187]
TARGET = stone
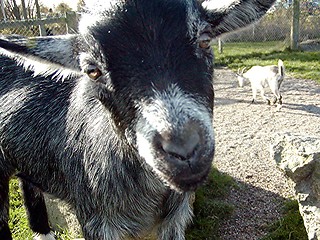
[299, 157]
[62, 216]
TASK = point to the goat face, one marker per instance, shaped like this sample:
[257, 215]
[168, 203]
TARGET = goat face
[149, 63]
[156, 73]
[241, 78]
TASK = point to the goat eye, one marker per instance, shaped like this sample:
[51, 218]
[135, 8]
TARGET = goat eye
[204, 41]
[93, 72]
[204, 44]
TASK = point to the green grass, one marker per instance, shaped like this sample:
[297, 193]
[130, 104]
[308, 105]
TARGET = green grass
[298, 64]
[18, 221]
[209, 207]
[290, 226]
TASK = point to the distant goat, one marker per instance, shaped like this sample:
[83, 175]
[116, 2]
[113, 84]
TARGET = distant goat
[116, 120]
[260, 77]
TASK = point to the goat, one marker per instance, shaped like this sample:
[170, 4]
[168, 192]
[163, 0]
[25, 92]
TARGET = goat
[260, 77]
[115, 120]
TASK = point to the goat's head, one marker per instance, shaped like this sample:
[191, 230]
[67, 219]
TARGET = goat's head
[241, 78]
[149, 62]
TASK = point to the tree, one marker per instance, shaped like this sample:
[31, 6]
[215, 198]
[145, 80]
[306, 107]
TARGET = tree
[13, 11]
[80, 5]
[36, 2]
[24, 10]
[62, 8]
[2, 12]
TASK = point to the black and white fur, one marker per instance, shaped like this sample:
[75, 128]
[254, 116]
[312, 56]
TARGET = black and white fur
[117, 120]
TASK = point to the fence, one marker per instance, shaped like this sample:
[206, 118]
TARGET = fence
[277, 26]
[41, 27]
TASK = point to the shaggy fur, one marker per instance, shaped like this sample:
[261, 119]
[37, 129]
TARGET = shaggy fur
[116, 120]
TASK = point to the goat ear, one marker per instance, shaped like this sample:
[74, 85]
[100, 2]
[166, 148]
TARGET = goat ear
[47, 56]
[226, 16]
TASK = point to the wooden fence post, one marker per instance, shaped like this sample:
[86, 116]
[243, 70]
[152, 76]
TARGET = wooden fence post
[42, 30]
[220, 45]
[295, 29]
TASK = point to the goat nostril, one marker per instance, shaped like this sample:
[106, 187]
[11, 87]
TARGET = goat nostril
[181, 147]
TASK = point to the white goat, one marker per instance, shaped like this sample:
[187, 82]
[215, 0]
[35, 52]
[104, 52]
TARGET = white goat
[260, 77]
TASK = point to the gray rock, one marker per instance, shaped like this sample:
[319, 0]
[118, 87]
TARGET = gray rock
[62, 217]
[299, 157]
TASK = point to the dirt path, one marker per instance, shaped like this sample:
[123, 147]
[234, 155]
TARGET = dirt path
[244, 132]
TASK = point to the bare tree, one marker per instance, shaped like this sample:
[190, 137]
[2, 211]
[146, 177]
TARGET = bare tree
[24, 10]
[63, 8]
[12, 10]
[31, 9]
[80, 5]
[2, 12]
[36, 2]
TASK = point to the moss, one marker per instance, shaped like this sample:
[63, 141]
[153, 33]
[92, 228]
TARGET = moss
[290, 226]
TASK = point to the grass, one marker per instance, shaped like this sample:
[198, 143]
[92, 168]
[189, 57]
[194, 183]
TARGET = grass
[18, 221]
[290, 226]
[298, 64]
[209, 209]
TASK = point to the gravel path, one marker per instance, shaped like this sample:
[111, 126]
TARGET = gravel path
[244, 132]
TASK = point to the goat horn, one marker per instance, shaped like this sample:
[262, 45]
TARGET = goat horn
[243, 70]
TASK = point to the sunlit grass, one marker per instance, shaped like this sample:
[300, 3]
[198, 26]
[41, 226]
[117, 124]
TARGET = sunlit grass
[18, 221]
[298, 64]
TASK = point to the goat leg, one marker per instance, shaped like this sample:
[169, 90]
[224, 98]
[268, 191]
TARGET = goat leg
[5, 233]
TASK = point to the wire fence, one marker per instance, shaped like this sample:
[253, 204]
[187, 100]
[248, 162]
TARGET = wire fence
[277, 24]
[65, 24]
